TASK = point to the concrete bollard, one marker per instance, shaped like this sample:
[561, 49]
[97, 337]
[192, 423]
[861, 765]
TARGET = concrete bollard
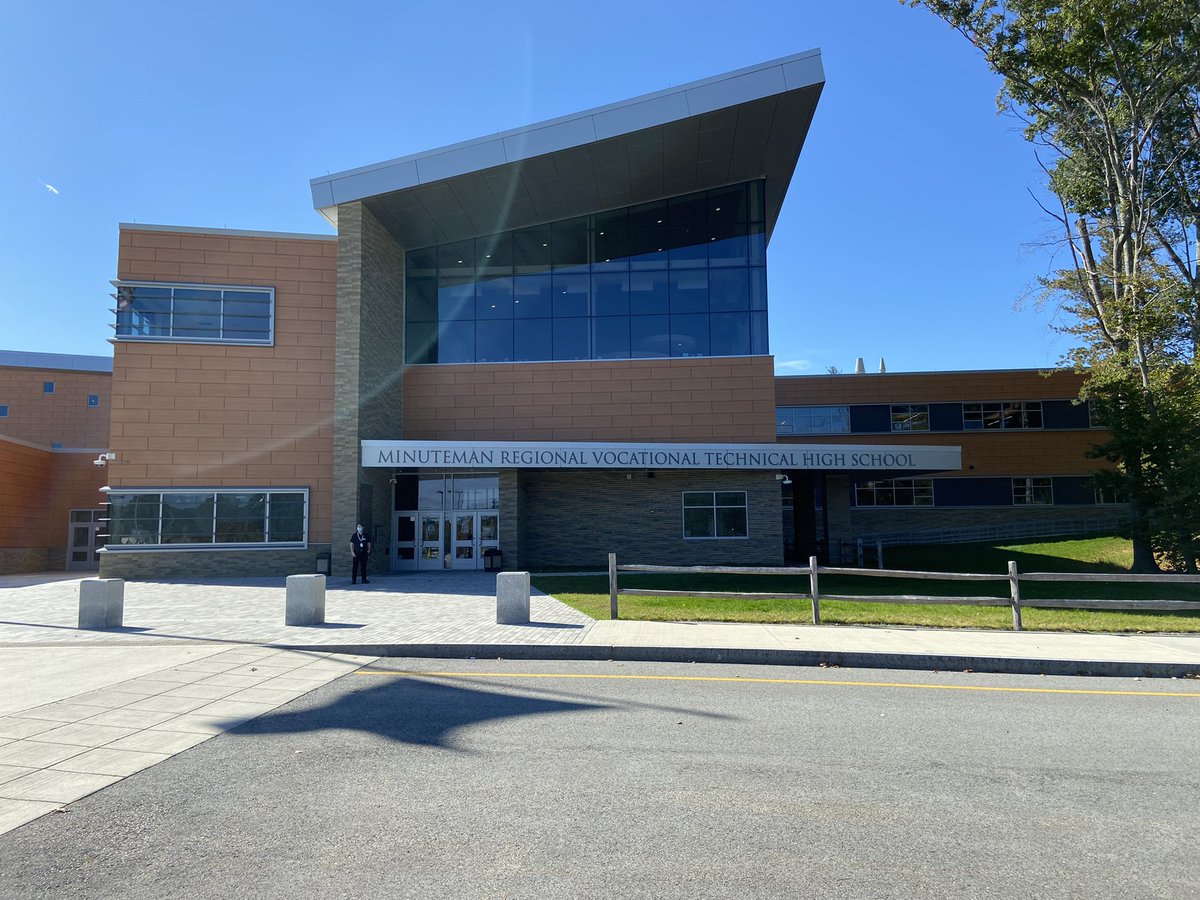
[101, 603]
[305, 600]
[512, 598]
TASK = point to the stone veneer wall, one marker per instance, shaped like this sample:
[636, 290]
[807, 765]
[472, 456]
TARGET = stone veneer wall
[917, 519]
[155, 565]
[576, 518]
[16, 560]
[368, 402]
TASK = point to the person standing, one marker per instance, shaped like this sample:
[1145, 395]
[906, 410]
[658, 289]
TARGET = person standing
[360, 549]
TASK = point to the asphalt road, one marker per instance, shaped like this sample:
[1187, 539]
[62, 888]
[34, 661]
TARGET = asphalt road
[526, 779]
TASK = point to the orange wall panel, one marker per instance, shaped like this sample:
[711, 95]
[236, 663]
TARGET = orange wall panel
[225, 415]
[64, 416]
[718, 400]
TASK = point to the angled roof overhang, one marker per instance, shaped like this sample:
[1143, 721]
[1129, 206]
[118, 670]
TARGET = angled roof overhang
[735, 127]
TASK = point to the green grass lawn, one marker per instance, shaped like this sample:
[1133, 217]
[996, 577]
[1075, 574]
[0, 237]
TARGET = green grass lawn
[589, 594]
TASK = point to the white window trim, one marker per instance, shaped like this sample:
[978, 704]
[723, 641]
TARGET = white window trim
[214, 547]
[172, 339]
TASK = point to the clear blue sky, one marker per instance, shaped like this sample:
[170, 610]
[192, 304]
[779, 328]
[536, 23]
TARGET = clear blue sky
[908, 233]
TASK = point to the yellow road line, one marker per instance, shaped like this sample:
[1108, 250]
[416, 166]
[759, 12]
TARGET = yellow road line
[883, 684]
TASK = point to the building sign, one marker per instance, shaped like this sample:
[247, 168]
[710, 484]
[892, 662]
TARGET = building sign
[586, 455]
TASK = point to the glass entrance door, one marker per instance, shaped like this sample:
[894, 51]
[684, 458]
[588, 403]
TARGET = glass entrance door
[429, 541]
[84, 540]
[404, 551]
[444, 520]
[465, 547]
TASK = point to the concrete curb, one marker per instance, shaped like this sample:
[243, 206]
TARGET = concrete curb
[769, 657]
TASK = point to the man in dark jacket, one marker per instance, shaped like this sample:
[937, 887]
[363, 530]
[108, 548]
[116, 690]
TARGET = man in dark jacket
[360, 549]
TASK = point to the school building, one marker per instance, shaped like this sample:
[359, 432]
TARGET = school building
[534, 348]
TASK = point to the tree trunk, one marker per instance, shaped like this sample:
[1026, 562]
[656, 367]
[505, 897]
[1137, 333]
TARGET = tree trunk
[1143, 557]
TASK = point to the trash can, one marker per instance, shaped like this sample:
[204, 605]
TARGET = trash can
[493, 559]
[325, 563]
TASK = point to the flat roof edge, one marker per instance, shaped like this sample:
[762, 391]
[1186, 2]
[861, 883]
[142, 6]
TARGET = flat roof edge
[231, 232]
[322, 186]
[1047, 370]
[63, 362]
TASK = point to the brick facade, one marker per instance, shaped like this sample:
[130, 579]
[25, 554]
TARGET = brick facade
[38, 489]
[196, 415]
[720, 399]
[577, 518]
[63, 417]
[156, 565]
[370, 356]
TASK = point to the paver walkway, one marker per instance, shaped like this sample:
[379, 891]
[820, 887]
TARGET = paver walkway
[422, 608]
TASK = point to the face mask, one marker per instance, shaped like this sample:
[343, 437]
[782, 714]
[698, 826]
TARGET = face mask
[360, 531]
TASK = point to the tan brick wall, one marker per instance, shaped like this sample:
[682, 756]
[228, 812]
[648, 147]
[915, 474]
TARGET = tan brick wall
[726, 399]
[927, 387]
[230, 416]
[63, 416]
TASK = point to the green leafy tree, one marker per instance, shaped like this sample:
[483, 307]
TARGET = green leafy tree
[1109, 91]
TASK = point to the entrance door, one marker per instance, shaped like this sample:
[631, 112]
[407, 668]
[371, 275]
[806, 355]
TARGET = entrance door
[404, 552]
[83, 539]
[465, 545]
[429, 541]
[488, 529]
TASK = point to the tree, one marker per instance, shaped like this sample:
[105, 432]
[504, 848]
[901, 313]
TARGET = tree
[1109, 91]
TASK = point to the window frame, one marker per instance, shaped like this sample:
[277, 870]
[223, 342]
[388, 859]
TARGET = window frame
[48, 388]
[918, 487]
[172, 338]
[838, 415]
[214, 545]
[1027, 487]
[714, 506]
[908, 412]
[1002, 410]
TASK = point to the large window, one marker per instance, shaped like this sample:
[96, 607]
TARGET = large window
[1032, 491]
[1007, 415]
[194, 313]
[910, 417]
[681, 277]
[714, 514]
[812, 420]
[216, 519]
[895, 492]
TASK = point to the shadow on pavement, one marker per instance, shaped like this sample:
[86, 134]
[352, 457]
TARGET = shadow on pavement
[409, 710]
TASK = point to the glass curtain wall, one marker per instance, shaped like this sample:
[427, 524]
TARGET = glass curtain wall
[679, 277]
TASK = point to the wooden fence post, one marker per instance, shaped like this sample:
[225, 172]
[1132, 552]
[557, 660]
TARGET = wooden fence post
[1014, 587]
[612, 586]
[812, 582]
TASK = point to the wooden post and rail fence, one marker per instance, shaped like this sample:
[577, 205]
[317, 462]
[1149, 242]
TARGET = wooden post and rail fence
[814, 571]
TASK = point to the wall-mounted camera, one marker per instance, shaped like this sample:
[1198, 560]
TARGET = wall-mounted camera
[103, 459]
